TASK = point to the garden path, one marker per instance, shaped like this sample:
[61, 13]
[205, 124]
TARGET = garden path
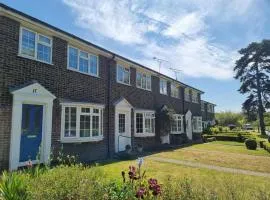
[211, 167]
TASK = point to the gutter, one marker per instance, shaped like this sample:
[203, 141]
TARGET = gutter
[109, 85]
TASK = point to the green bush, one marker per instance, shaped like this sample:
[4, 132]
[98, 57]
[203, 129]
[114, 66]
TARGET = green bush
[251, 144]
[12, 187]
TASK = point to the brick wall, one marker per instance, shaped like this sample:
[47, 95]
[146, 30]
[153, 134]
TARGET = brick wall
[56, 78]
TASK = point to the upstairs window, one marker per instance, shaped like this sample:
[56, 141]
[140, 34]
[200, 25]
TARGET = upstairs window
[143, 81]
[36, 46]
[82, 61]
[174, 91]
[210, 108]
[123, 75]
[163, 86]
[144, 123]
[195, 97]
[202, 106]
[177, 124]
[187, 94]
[197, 124]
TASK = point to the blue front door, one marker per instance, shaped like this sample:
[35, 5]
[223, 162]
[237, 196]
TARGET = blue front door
[31, 134]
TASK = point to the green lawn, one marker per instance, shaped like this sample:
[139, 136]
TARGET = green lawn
[224, 154]
[229, 154]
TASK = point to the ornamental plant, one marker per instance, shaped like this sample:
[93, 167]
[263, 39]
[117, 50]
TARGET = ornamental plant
[138, 183]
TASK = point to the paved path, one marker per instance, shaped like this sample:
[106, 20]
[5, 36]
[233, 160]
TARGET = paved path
[212, 167]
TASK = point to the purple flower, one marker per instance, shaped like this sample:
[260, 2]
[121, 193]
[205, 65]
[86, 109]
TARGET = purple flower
[139, 194]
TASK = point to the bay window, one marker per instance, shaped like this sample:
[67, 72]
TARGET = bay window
[177, 124]
[197, 124]
[82, 61]
[123, 75]
[143, 81]
[35, 46]
[163, 86]
[144, 123]
[81, 123]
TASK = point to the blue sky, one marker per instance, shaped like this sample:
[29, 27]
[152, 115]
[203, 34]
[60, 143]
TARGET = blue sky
[199, 37]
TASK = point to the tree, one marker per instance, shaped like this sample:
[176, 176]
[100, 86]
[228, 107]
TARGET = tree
[252, 69]
[228, 117]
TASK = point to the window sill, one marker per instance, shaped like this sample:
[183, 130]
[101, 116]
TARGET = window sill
[143, 89]
[34, 59]
[144, 135]
[163, 94]
[123, 83]
[75, 70]
[176, 133]
[195, 131]
[81, 140]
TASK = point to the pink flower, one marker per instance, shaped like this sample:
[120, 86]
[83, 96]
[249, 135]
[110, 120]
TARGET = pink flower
[29, 164]
[140, 193]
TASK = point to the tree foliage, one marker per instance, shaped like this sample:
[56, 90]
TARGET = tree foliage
[228, 117]
[253, 69]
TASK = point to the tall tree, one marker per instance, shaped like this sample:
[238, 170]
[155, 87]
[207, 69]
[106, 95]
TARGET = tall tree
[253, 69]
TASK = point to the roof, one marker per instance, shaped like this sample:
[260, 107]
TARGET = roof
[209, 102]
[7, 8]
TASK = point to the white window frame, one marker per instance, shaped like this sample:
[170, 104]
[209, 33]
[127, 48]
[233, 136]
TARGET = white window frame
[161, 86]
[125, 71]
[187, 94]
[202, 106]
[198, 121]
[144, 75]
[194, 96]
[178, 117]
[78, 62]
[175, 88]
[36, 45]
[210, 108]
[144, 113]
[77, 138]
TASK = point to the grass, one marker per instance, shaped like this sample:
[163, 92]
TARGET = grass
[220, 182]
[224, 154]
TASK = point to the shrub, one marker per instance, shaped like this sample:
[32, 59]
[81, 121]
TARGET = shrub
[210, 139]
[12, 187]
[251, 144]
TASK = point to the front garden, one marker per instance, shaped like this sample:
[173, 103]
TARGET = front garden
[148, 179]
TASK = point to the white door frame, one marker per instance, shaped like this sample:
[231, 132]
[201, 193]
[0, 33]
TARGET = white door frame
[188, 118]
[122, 106]
[37, 95]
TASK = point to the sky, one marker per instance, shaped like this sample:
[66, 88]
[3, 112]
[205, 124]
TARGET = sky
[201, 38]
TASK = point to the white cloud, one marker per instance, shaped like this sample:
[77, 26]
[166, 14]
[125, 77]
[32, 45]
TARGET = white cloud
[184, 23]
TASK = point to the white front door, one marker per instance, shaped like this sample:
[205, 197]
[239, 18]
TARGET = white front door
[122, 130]
[189, 124]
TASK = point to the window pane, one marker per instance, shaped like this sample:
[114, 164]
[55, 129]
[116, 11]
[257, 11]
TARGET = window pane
[95, 126]
[70, 122]
[126, 76]
[44, 39]
[73, 58]
[153, 125]
[144, 81]
[28, 43]
[148, 125]
[83, 66]
[93, 65]
[84, 126]
[44, 53]
[139, 80]
[139, 123]
[148, 82]
[122, 123]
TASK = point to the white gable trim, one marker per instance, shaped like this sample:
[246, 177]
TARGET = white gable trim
[32, 94]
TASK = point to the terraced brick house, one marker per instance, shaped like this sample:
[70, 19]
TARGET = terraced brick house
[208, 114]
[58, 91]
